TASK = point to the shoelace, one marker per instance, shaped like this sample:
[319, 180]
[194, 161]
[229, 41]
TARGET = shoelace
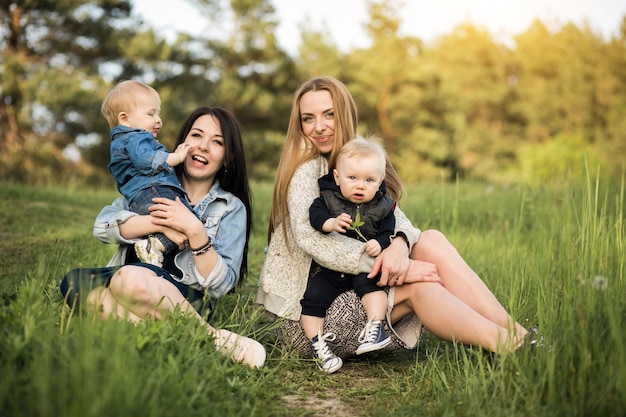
[369, 333]
[322, 349]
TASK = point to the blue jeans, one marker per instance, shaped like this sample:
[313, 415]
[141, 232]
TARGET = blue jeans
[143, 200]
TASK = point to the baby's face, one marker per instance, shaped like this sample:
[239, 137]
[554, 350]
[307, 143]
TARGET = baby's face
[359, 178]
[146, 114]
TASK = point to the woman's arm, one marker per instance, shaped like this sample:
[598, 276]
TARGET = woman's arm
[404, 228]
[116, 224]
[137, 227]
[174, 214]
[332, 250]
[106, 227]
[218, 268]
[230, 240]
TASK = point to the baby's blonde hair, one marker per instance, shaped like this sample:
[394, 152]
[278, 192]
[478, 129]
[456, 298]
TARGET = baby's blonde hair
[364, 147]
[122, 98]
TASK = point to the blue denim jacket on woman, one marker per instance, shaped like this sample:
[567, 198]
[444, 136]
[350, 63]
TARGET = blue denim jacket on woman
[138, 162]
[224, 219]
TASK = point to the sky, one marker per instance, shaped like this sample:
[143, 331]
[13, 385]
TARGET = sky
[425, 19]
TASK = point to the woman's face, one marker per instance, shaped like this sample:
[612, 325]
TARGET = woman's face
[317, 117]
[206, 154]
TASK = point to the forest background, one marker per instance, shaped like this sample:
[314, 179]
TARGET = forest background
[461, 106]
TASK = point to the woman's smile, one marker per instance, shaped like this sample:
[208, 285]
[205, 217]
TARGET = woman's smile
[199, 160]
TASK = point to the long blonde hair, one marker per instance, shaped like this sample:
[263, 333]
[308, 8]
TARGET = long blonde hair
[298, 149]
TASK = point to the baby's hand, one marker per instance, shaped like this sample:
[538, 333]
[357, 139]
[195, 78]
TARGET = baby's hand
[179, 155]
[372, 247]
[338, 224]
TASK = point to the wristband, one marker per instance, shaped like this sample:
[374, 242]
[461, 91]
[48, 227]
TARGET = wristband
[402, 234]
[202, 249]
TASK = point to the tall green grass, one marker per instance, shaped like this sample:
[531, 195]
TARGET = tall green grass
[553, 255]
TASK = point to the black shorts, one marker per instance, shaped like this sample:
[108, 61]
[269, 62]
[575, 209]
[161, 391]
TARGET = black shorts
[325, 285]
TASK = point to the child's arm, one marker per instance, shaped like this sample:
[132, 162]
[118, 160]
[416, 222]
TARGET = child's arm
[178, 156]
[386, 229]
[149, 156]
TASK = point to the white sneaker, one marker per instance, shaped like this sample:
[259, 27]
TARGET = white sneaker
[327, 360]
[240, 348]
[150, 251]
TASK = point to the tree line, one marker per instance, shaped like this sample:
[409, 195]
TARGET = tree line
[462, 106]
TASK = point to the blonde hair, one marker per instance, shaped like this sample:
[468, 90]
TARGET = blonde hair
[122, 98]
[298, 149]
[360, 147]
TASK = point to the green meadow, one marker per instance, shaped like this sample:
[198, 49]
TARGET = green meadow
[554, 255]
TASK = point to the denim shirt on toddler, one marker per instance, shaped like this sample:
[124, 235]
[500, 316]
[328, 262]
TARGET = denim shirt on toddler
[138, 162]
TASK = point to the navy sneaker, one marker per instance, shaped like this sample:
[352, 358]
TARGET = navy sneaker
[327, 361]
[373, 337]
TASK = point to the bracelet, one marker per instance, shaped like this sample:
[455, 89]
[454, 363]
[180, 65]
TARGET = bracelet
[402, 234]
[202, 249]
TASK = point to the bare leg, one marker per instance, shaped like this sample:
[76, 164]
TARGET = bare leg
[100, 301]
[375, 304]
[449, 318]
[311, 325]
[463, 308]
[140, 292]
[136, 293]
[461, 280]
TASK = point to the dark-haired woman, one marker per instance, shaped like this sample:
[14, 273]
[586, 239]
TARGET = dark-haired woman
[213, 240]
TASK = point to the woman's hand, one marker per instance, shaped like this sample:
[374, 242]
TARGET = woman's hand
[175, 216]
[392, 263]
[180, 239]
[421, 271]
[396, 268]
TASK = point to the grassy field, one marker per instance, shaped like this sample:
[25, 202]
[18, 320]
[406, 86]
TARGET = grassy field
[554, 256]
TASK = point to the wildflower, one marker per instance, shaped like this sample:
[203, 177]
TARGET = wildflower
[600, 282]
[356, 226]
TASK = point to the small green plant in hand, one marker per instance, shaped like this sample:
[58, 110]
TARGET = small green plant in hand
[356, 224]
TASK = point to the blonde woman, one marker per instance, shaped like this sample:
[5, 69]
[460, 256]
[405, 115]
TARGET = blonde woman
[429, 283]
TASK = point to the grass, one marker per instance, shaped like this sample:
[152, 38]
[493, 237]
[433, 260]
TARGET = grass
[553, 255]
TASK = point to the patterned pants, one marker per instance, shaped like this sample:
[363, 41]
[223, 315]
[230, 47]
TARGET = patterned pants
[346, 318]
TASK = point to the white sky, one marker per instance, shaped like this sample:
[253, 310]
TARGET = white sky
[426, 19]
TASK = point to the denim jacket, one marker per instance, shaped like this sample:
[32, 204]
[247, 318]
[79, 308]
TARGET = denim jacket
[138, 161]
[224, 218]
